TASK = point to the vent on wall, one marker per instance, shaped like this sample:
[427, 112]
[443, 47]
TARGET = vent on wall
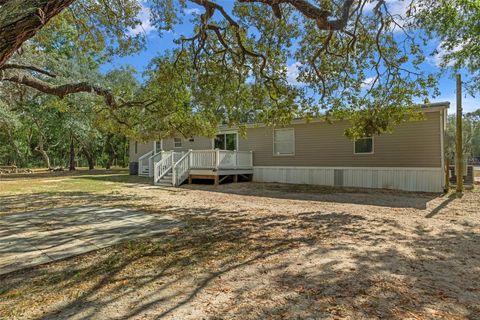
[338, 177]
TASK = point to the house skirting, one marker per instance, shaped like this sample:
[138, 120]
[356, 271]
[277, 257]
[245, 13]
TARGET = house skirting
[408, 179]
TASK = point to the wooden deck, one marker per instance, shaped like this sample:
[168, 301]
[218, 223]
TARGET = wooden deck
[170, 167]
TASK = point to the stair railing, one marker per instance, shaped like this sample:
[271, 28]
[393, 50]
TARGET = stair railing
[162, 167]
[152, 160]
[181, 169]
[143, 162]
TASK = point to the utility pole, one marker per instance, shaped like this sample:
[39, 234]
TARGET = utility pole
[459, 138]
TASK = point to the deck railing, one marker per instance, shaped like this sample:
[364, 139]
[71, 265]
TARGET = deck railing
[203, 159]
[220, 159]
[180, 163]
[244, 159]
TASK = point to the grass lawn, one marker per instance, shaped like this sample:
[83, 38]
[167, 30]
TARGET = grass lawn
[254, 251]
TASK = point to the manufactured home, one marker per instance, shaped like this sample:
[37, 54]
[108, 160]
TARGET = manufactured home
[314, 152]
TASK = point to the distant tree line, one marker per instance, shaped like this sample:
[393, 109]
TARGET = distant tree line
[471, 136]
[36, 135]
[355, 60]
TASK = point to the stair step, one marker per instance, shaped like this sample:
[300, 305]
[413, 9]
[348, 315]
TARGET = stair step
[165, 182]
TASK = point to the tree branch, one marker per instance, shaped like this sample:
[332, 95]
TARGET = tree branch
[20, 22]
[62, 90]
[310, 11]
[210, 8]
[30, 68]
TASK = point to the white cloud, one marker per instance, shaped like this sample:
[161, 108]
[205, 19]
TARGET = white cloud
[367, 82]
[439, 58]
[469, 103]
[397, 8]
[293, 73]
[191, 11]
[145, 25]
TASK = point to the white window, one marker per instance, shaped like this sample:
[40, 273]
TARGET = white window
[177, 142]
[226, 141]
[363, 146]
[284, 142]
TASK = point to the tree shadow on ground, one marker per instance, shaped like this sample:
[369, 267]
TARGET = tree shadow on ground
[51, 199]
[237, 264]
[376, 197]
[442, 205]
[66, 173]
[119, 178]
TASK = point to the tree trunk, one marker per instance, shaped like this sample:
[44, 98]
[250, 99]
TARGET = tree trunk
[90, 159]
[110, 151]
[72, 154]
[22, 19]
[91, 163]
[18, 153]
[42, 151]
[459, 137]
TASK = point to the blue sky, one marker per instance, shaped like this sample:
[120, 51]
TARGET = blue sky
[156, 44]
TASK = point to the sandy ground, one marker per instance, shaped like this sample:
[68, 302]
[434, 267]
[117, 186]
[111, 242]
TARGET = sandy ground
[268, 251]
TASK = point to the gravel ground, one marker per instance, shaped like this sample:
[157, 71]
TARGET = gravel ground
[270, 251]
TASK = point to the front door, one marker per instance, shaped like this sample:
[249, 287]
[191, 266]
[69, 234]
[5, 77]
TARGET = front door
[226, 141]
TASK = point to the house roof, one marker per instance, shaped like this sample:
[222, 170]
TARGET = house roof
[436, 105]
[428, 107]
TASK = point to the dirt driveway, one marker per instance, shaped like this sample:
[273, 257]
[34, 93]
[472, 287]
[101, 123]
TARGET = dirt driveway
[264, 251]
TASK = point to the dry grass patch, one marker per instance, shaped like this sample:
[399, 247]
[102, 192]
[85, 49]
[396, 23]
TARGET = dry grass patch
[264, 251]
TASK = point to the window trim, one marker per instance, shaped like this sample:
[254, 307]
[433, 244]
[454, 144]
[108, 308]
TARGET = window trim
[273, 142]
[364, 153]
[225, 133]
[174, 143]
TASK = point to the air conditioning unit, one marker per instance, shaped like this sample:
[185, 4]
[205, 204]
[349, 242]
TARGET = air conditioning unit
[465, 165]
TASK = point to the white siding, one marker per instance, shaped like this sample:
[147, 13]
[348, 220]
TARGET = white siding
[409, 179]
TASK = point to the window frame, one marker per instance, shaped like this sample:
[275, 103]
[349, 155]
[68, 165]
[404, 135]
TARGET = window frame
[225, 140]
[293, 142]
[364, 153]
[175, 143]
